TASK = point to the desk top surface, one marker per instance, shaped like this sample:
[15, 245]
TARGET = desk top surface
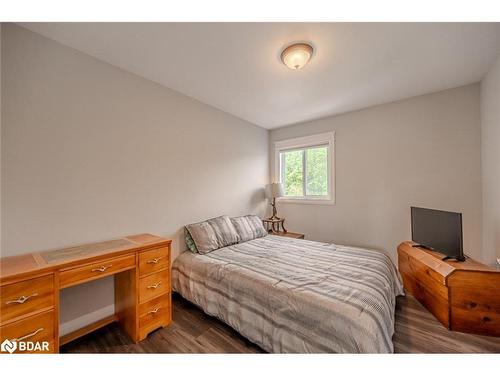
[47, 260]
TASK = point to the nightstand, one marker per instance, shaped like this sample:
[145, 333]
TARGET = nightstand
[289, 234]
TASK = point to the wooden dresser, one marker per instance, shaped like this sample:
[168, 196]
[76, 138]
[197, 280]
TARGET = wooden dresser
[463, 296]
[30, 285]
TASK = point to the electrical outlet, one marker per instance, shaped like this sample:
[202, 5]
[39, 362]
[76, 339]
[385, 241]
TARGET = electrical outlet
[498, 262]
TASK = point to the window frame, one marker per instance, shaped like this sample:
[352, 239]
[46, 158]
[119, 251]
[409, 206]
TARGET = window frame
[303, 143]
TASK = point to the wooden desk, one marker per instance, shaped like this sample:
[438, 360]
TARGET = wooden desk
[30, 285]
[463, 296]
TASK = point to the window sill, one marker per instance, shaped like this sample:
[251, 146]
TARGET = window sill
[324, 202]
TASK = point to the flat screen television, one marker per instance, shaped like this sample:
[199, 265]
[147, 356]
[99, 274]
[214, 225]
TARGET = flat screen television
[437, 230]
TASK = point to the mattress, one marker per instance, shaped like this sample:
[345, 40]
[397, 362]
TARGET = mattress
[296, 296]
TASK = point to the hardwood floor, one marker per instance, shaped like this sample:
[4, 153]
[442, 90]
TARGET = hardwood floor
[192, 331]
[418, 331]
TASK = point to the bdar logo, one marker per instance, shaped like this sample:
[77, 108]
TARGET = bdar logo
[8, 346]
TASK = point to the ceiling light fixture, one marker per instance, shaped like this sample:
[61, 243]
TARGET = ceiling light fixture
[297, 55]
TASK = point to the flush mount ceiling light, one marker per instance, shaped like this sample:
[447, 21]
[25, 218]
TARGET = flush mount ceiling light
[297, 55]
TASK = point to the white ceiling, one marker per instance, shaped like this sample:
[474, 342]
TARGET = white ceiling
[236, 67]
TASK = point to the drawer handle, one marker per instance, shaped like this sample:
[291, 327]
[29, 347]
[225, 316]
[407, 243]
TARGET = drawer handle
[154, 261]
[154, 286]
[154, 311]
[101, 269]
[28, 335]
[21, 299]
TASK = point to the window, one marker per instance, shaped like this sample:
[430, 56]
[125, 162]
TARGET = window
[305, 168]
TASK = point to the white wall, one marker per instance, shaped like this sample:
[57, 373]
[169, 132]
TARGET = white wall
[423, 151]
[91, 152]
[0, 134]
[490, 147]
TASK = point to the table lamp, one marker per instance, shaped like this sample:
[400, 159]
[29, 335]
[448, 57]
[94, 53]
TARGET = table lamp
[273, 191]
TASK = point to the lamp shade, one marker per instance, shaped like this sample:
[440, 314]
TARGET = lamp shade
[274, 190]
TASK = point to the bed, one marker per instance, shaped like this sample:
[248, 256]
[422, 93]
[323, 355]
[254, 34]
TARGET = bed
[296, 296]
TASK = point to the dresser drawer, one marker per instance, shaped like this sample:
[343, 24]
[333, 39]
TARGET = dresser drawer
[154, 285]
[153, 260]
[475, 309]
[26, 297]
[38, 329]
[432, 300]
[429, 265]
[425, 276]
[96, 270]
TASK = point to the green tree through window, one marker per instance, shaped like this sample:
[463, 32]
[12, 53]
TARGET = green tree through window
[305, 172]
[293, 173]
[317, 173]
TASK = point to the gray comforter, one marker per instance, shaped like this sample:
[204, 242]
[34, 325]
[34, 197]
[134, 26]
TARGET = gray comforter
[289, 295]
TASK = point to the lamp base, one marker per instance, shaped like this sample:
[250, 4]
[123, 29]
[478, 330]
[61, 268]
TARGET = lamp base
[273, 222]
[274, 218]
[275, 211]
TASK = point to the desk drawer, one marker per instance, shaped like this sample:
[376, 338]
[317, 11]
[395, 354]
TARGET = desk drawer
[154, 314]
[96, 270]
[155, 310]
[154, 285]
[153, 260]
[36, 329]
[26, 297]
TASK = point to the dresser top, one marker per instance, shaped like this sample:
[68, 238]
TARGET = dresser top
[38, 262]
[433, 259]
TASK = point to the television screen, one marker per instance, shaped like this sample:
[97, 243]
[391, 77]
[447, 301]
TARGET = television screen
[437, 230]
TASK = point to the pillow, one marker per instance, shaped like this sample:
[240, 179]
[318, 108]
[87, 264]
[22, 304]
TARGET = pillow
[189, 241]
[213, 234]
[249, 227]
[243, 228]
[224, 230]
[203, 236]
[257, 226]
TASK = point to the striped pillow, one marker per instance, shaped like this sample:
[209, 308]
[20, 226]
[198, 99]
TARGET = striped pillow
[224, 230]
[249, 227]
[212, 234]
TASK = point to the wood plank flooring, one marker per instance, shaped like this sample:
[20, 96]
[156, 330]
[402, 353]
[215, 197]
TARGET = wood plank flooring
[192, 331]
[418, 331]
